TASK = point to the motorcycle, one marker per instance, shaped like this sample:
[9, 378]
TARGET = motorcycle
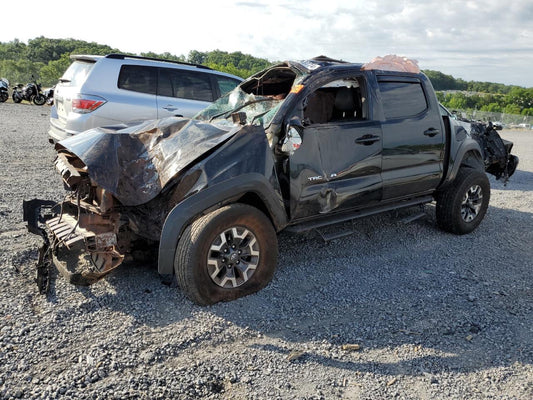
[30, 92]
[49, 95]
[4, 86]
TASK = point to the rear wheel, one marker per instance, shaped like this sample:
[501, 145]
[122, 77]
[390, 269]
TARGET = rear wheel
[3, 96]
[17, 98]
[462, 207]
[226, 254]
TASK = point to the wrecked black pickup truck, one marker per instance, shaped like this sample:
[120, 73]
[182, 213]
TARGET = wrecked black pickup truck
[298, 146]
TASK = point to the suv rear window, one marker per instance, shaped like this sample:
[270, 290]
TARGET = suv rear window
[402, 99]
[77, 73]
[138, 78]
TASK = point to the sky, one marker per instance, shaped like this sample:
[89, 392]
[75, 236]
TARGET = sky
[489, 40]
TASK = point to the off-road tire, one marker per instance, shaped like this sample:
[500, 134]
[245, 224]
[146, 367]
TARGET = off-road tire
[463, 205]
[195, 251]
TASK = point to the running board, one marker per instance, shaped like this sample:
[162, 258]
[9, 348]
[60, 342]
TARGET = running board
[335, 219]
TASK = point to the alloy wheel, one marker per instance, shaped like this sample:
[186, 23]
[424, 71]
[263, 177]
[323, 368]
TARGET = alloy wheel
[471, 204]
[233, 257]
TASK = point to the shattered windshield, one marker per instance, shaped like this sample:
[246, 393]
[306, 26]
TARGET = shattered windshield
[258, 98]
[259, 110]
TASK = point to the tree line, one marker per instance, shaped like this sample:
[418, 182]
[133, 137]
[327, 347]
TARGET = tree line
[47, 59]
[458, 94]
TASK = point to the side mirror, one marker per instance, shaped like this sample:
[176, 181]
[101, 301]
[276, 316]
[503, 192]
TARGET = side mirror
[295, 122]
[293, 137]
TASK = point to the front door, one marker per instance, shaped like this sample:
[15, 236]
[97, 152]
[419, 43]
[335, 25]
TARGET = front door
[338, 165]
[182, 93]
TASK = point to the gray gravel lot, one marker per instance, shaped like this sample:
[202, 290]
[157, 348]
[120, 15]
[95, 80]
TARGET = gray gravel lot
[436, 316]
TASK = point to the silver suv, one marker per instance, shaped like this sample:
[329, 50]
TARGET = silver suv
[108, 90]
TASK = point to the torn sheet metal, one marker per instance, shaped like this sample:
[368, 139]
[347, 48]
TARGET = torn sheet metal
[135, 163]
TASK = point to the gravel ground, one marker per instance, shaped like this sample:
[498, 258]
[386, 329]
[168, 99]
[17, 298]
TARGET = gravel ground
[435, 316]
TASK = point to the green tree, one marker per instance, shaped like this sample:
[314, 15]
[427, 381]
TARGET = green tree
[20, 71]
[442, 81]
[521, 97]
[51, 72]
[492, 107]
[512, 109]
[166, 56]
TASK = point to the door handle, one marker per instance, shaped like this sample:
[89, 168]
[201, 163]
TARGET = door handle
[431, 132]
[170, 107]
[367, 140]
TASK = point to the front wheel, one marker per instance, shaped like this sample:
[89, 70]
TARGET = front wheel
[226, 254]
[39, 99]
[3, 96]
[462, 207]
[17, 98]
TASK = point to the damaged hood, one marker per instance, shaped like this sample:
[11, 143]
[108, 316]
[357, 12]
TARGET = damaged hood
[136, 162]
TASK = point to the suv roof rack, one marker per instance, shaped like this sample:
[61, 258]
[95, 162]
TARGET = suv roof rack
[118, 56]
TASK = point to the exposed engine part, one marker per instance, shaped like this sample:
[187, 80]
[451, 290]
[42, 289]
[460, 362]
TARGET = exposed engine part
[496, 152]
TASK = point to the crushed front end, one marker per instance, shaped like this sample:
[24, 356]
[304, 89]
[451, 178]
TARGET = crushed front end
[121, 184]
[84, 229]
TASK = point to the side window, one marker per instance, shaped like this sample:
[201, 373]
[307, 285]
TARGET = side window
[138, 78]
[340, 100]
[197, 86]
[225, 84]
[402, 99]
[185, 84]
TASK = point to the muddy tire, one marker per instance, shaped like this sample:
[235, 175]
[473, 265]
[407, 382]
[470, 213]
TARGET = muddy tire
[462, 207]
[226, 254]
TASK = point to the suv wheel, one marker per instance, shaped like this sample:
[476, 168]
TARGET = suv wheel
[226, 254]
[461, 208]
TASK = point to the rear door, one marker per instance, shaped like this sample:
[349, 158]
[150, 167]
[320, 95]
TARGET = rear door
[413, 138]
[136, 98]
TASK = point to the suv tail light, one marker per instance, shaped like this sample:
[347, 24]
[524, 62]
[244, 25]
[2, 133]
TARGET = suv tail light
[84, 103]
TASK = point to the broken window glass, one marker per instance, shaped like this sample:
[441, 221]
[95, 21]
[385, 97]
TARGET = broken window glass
[336, 101]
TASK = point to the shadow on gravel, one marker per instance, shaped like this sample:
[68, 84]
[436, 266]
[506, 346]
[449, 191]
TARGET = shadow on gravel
[435, 302]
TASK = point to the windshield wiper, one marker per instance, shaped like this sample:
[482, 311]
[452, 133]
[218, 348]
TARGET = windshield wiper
[64, 80]
[240, 107]
[259, 116]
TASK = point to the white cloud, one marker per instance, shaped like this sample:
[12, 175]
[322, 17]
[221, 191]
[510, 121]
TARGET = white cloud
[490, 41]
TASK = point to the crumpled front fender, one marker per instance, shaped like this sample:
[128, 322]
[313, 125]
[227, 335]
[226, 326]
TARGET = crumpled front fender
[135, 163]
[189, 209]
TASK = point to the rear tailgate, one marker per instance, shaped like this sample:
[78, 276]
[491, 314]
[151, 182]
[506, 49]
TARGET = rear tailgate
[70, 84]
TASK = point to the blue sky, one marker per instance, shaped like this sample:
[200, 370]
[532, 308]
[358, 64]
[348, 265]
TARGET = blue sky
[475, 40]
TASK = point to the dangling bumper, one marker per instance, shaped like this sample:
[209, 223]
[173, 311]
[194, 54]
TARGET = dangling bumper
[83, 247]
